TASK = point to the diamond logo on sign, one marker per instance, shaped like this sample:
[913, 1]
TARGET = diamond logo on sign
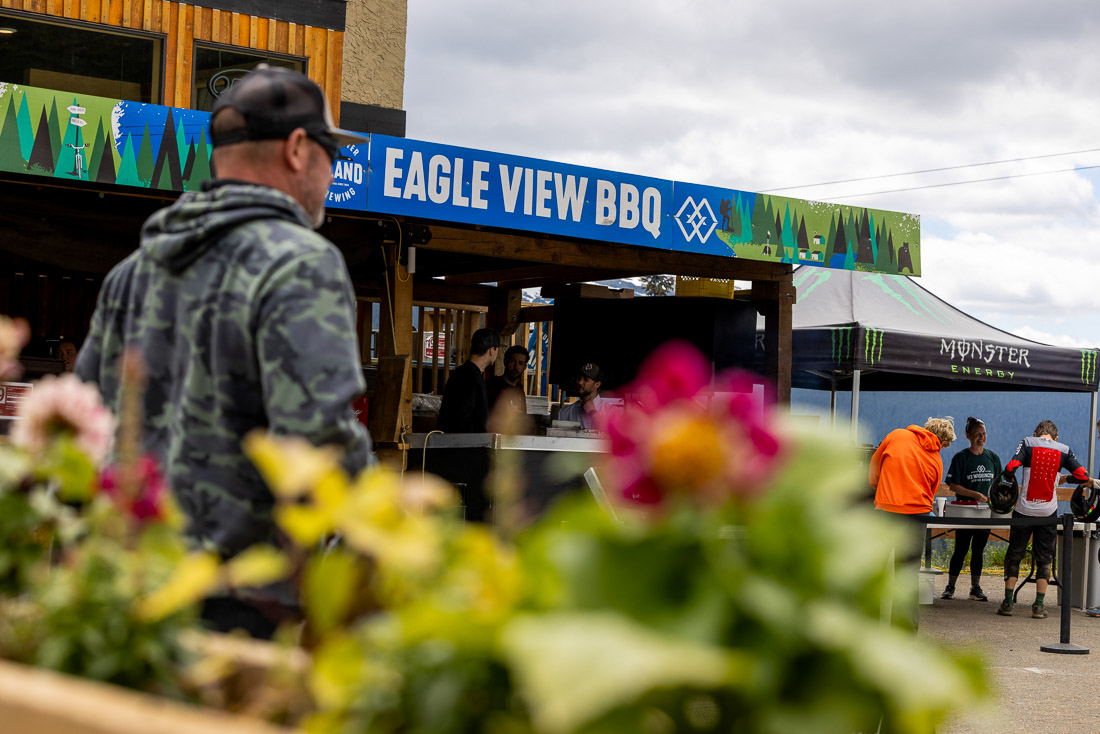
[697, 219]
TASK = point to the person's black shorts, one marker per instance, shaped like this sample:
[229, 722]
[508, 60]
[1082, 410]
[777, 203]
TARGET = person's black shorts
[1042, 539]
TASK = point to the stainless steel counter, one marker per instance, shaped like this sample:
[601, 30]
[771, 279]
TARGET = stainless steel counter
[497, 441]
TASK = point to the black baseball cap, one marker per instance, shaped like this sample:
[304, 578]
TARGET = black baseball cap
[274, 102]
[591, 370]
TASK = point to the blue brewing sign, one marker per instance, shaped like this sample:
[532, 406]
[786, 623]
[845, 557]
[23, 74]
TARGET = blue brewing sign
[349, 180]
[447, 183]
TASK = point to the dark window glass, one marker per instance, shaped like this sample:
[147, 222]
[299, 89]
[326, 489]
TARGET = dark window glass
[79, 60]
[216, 69]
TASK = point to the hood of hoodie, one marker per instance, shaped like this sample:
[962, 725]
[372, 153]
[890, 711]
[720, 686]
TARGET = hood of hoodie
[925, 438]
[178, 235]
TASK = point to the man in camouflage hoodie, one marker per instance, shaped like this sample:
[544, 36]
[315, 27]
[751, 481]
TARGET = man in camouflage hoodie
[245, 316]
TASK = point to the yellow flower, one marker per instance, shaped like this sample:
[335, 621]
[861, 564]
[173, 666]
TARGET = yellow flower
[688, 452]
[195, 577]
[291, 466]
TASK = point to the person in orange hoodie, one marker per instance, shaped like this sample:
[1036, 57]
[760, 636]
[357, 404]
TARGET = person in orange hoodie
[906, 469]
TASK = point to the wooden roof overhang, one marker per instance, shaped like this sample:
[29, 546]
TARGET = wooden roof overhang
[89, 227]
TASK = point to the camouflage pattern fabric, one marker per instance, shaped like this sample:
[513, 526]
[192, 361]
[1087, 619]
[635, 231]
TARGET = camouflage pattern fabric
[245, 318]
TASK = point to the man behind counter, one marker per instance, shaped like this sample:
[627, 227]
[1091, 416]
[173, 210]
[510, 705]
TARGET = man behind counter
[465, 407]
[509, 387]
[589, 403]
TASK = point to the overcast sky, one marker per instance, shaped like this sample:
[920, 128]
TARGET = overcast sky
[760, 95]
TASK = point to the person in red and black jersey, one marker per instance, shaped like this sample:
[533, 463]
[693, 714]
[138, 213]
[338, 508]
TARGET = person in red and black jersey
[1042, 457]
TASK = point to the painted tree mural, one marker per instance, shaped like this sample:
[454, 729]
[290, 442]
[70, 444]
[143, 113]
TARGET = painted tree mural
[11, 156]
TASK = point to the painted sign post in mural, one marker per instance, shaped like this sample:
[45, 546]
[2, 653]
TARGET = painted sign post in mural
[88, 138]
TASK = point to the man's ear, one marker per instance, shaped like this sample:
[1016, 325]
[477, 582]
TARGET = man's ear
[296, 150]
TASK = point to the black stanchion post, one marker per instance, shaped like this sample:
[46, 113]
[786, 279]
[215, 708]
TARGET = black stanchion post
[1064, 646]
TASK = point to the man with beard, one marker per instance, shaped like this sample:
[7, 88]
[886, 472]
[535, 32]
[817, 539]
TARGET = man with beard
[245, 319]
[508, 389]
[589, 403]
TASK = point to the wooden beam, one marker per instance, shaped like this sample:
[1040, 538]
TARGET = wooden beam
[775, 300]
[586, 290]
[391, 406]
[438, 293]
[529, 314]
[536, 276]
[590, 254]
[504, 311]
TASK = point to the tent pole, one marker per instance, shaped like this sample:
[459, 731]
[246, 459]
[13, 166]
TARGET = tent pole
[1092, 432]
[855, 406]
[832, 403]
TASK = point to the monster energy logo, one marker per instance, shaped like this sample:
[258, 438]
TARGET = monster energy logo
[1088, 366]
[841, 339]
[872, 340]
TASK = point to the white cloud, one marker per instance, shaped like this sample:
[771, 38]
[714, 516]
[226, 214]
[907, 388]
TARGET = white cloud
[760, 95]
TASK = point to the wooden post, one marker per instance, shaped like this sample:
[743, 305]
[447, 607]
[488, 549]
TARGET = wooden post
[775, 301]
[418, 355]
[504, 317]
[391, 406]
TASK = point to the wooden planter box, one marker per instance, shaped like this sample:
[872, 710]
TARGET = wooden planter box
[34, 701]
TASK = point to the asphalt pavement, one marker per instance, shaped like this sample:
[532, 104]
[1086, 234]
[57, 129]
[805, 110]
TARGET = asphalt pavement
[1034, 691]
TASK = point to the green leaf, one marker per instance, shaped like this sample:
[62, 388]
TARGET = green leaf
[72, 470]
[574, 667]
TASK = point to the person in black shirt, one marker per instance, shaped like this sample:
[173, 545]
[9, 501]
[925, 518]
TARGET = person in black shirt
[465, 409]
[465, 406]
[509, 387]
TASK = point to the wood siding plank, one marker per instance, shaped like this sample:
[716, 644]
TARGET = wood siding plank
[92, 15]
[330, 83]
[127, 12]
[253, 30]
[160, 10]
[281, 44]
[234, 28]
[115, 16]
[272, 34]
[104, 11]
[68, 11]
[318, 61]
[216, 26]
[83, 14]
[147, 15]
[170, 24]
[336, 63]
[184, 40]
[36, 6]
[203, 23]
[227, 26]
[261, 34]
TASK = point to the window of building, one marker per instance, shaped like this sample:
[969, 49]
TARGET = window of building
[219, 67]
[81, 59]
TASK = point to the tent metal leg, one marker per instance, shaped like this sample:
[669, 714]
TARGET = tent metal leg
[855, 406]
[1092, 434]
[832, 404]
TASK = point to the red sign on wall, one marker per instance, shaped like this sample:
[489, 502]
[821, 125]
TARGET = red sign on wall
[430, 344]
[12, 394]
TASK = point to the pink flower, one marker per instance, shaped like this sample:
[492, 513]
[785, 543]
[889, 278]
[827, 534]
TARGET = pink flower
[151, 502]
[682, 439]
[674, 371]
[14, 334]
[64, 405]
